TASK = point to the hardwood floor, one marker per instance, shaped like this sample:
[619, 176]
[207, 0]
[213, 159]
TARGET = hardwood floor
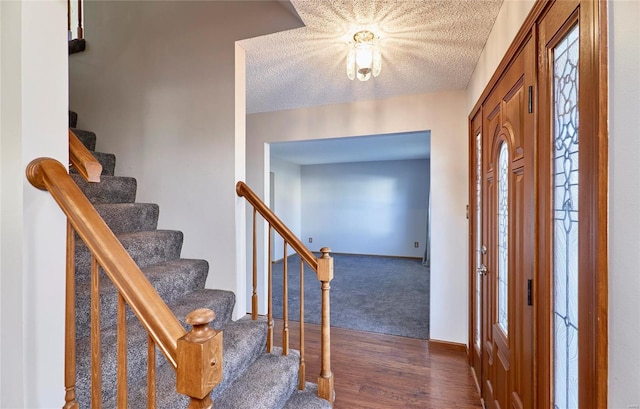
[375, 371]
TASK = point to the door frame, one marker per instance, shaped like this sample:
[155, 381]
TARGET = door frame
[593, 359]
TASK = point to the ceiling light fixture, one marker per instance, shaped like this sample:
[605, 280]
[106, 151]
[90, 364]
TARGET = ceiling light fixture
[364, 58]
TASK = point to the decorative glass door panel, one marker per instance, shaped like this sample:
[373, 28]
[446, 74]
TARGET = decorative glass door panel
[480, 268]
[565, 220]
[503, 238]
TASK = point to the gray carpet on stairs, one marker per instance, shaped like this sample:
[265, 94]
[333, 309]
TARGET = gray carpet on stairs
[387, 295]
[252, 379]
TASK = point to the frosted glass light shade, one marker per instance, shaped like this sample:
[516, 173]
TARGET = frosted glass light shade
[364, 59]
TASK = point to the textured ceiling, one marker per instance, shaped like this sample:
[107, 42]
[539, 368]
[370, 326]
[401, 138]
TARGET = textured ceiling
[426, 46]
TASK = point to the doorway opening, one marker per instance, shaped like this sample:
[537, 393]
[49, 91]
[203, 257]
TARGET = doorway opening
[367, 198]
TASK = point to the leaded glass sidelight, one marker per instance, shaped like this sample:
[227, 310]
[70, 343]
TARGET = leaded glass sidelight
[478, 285]
[565, 221]
[503, 238]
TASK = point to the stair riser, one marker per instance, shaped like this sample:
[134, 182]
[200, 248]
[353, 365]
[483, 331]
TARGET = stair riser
[107, 160]
[73, 119]
[238, 356]
[129, 217]
[87, 138]
[146, 248]
[170, 285]
[111, 189]
[136, 357]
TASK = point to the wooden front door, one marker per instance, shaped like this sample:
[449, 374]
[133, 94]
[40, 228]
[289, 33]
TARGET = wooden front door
[503, 229]
[538, 195]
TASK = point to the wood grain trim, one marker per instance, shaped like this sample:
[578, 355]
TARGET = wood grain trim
[244, 191]
[144, 301]
[520, 38]
[70, 323]
[122, 386]
[81, 159]
[593, 19]
[602, 267]
[96, 339]
[151, 374]
[451, 346]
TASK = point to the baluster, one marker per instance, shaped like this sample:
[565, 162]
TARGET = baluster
[199, 360]
[285, 305]
[270, 298]
[70, 323]
[254, 297]
[69, 34]
[123, 388]
[80, 30]
[96, 361]
[302, 370]
[151, 373]
[325, 275]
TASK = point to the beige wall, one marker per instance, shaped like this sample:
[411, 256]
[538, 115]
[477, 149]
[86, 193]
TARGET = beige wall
[624, 204]
[444, 114]
[33, 101]
[160, 87]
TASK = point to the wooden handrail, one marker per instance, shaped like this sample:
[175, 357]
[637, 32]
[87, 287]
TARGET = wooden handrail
[245, 191]
[83, 160]
[165, 329]
[196, 355]
[323, 268]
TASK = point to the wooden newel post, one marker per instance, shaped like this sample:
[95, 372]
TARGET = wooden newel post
[325, 275]
[199, 360]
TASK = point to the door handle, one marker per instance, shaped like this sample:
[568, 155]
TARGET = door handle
[482, 269]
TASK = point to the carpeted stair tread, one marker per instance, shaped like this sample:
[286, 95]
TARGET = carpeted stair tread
[171, 280]
[107, 160]
[146, 248]
[137, 348]
[87, 138]
[307, 399]
[111, 189]
[73, 119]
[129, 217]
[243, 342]
[221, 302]
[266, 384]
[252, 378]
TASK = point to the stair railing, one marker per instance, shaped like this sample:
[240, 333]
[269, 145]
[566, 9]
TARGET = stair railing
[74, 9]
[322, 266]
[82, 160]
[196, 356]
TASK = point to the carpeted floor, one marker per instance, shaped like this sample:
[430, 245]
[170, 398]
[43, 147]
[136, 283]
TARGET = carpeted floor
[387, 295]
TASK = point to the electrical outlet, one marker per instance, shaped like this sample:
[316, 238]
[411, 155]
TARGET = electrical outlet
[310, 240]
[416, 244]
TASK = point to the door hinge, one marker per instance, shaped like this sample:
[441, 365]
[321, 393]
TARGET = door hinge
[530, 103]
[529, 292]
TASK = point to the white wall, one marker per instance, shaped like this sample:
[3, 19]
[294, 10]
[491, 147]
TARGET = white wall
[33, 123]
[509, 20]
[159, 86]
[445, 115]
[288, 199]
[624, 202]
[375, 208]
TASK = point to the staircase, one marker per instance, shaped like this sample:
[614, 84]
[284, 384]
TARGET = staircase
[252, 378]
